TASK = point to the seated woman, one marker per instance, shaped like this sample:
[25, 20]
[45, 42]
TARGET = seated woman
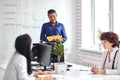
[19, 66]
[111, 57]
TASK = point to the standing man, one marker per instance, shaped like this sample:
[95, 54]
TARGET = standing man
[52, 28]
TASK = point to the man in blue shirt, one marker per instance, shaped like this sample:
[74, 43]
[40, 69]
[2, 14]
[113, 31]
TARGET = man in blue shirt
[52, 28]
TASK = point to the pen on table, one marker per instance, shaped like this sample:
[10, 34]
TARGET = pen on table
[83, 70]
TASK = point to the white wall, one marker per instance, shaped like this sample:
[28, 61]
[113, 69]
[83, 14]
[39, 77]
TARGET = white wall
[27, 16]
[0, 33]
[71, 30]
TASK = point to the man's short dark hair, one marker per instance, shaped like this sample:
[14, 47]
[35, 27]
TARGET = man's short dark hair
[51, 11]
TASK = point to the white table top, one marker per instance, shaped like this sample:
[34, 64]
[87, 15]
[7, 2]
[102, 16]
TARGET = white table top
[78, 72]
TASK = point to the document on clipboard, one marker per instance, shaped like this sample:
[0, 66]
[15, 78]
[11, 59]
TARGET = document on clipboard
[54, 38]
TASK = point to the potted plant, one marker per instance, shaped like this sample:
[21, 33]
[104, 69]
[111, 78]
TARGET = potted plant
[58, 50]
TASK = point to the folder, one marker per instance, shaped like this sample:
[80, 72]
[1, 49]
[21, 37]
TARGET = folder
[54, 38]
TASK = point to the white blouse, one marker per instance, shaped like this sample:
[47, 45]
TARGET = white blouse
[17, 69]
[108, 65]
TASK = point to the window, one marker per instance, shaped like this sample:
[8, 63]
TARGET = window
[95, 19]
[100, 19]
[117, 16]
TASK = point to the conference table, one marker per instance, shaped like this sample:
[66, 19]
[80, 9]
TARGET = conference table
[79, 72]
[76, 72]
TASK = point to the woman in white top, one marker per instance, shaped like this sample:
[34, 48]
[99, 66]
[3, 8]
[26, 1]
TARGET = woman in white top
[111, 57]
[19, 66]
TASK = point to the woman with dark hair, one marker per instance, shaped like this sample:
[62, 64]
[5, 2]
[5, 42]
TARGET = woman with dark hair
[19, 66]
[111, 57]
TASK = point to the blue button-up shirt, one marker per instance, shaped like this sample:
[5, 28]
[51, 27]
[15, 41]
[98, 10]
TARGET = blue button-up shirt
[49, 30]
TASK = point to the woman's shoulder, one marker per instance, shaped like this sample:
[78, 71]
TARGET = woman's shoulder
[104, 53]
[118, 52]
[18, 57]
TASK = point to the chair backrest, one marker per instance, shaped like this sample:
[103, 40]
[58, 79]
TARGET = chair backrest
[39, 47]
[44, 54]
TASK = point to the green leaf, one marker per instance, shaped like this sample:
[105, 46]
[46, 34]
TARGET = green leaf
[58, 50]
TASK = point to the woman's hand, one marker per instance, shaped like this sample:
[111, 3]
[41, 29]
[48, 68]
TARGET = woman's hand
[98, 70]
[94, 70]
[42, 73]
[45, 78]
[102, 71]
[46, 72]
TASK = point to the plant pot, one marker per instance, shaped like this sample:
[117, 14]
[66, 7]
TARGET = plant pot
[60, 68]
